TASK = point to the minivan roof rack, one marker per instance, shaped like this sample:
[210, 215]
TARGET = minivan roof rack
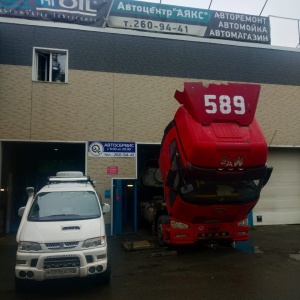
[70, 176]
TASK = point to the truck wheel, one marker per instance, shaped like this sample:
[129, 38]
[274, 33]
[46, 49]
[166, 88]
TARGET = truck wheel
[160, 224]
[104, 278]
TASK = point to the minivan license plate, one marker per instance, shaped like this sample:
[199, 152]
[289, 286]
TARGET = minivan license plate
[61, 272]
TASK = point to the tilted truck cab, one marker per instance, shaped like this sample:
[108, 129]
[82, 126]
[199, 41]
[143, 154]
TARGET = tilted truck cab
[213, 164]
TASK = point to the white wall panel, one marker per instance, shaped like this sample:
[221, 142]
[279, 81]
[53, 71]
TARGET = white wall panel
[280, 198]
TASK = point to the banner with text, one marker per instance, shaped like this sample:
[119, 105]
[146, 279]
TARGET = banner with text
[138, 15]
[111, 149]
[81, 12]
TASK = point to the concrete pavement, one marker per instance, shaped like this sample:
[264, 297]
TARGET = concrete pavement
[266, 267]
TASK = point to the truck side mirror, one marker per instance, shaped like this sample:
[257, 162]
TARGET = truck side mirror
[268, 175]
[21, 211]
[105, 208]
[171, 177]
[186, 189]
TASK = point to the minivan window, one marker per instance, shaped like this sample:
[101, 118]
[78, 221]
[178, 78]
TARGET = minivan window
[64, 206]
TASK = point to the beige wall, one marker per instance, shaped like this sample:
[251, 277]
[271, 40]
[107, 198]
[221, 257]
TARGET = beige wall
[118, 107]
[15, 102]
[278, 111]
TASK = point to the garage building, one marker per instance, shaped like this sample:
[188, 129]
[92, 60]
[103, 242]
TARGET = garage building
[118, 86]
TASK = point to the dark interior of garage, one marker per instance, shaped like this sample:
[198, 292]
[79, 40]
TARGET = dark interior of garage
[30, 164]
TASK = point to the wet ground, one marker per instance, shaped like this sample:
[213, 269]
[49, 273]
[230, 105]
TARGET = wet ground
[265, 267]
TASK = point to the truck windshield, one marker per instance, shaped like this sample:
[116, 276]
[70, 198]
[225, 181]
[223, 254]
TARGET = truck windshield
[64, 206]
[217, 192]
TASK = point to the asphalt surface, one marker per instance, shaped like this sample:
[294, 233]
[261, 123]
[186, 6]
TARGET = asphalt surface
[265, 267]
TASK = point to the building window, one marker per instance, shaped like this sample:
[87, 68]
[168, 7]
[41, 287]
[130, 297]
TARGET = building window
[50, 65]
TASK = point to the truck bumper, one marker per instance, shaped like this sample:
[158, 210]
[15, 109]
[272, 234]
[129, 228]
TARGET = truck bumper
[218, 232]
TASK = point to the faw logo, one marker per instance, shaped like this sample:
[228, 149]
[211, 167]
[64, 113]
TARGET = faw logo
[236, 162]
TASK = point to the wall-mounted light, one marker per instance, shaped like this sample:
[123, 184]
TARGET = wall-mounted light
[2, 190]
[130, 185]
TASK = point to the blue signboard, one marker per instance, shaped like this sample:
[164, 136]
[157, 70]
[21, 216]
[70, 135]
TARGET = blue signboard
[82, 12]
[139, 15]
[111, 149]
[161, 12]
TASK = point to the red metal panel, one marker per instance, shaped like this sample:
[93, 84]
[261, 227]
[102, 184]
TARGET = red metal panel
[232, 102]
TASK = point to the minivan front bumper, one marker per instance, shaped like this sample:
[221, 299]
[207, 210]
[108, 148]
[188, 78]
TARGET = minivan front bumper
[40, 266]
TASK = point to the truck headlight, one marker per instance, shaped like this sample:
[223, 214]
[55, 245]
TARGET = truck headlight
[95, 242]
[243, 223]
[179, 225]
[29, 246]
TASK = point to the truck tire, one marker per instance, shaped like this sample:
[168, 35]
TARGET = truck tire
[104, 278]
[160, 223]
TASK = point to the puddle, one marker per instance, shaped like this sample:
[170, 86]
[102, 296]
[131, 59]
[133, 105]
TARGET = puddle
[295, 256]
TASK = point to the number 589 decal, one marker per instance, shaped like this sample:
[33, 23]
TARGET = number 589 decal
[224, 104]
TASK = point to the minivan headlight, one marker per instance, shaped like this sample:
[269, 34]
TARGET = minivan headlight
[95, 242]
[29, 246]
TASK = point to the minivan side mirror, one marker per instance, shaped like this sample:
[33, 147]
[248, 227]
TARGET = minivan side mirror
[105, 208]
[30, 191]
[21, 211]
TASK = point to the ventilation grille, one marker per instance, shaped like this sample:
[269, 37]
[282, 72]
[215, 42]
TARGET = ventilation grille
[61, 245]
[61, 262]
[71, 228]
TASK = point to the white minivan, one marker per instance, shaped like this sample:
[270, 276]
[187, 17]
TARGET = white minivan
[62, 232]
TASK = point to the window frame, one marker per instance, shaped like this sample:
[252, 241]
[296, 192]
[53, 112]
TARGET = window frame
[37, 51]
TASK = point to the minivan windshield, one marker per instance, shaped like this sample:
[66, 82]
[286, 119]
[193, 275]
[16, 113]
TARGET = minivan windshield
[64, 206]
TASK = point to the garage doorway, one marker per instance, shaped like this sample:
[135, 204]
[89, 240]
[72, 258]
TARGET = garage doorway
[150, 186]
[128, 195]
[26, 164]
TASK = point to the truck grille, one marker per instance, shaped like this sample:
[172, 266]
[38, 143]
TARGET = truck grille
[62, 245]
[61, 262]
[215, 234]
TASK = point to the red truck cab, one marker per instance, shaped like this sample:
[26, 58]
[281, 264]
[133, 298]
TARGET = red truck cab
[213, 164]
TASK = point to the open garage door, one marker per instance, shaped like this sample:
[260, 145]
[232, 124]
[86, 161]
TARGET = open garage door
[30, 164]
[280, 198]
[150, 187]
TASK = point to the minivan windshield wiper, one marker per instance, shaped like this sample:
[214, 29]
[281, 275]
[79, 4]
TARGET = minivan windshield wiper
[63, 217]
